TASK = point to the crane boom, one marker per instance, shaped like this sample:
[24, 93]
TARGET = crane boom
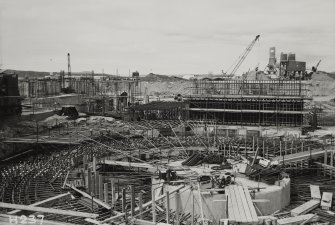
[244, 55]
[317, 65]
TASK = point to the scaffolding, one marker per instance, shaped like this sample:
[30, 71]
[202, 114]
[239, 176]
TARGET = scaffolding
[99, 95]
[111, 95]
[275, 88]
[158, 111]
[248, 102]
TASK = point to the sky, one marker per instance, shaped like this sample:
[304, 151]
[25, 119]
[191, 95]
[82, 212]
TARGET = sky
[165, 37]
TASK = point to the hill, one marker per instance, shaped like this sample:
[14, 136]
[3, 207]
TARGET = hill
[30, 74]
[151, 77]
[322, 86]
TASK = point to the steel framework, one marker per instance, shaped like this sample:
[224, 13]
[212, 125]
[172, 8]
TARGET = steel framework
[248, 102]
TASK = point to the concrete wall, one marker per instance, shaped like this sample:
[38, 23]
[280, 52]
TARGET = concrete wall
[69, 99]
[279, 197]
[214, 210]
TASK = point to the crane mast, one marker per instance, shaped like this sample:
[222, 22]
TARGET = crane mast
[244, 55]
[69, 69]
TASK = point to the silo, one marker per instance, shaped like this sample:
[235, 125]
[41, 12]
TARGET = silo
[283, 57]
[291, 56]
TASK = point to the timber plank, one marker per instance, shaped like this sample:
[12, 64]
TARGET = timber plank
[315, 192]
[231, 214]
[239, 204]
[48, 200]
[234, 205]
[47, 210]
[98, 201]
[245, 205]
[251, 205]
[298, 219]
[305, 208]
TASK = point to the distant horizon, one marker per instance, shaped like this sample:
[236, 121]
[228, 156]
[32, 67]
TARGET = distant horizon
[123, 75]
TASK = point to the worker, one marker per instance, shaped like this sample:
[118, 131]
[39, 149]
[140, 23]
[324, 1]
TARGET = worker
[222, 182]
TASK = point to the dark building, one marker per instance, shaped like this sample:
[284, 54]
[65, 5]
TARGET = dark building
[290, 68]
[10, 100]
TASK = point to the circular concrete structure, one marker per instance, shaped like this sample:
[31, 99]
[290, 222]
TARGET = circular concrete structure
[213, 204]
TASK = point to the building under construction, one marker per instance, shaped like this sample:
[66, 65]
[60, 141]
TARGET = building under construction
[248, 102]
[95, 95]
[234, 102]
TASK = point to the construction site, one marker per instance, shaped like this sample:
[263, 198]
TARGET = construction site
[86, 148]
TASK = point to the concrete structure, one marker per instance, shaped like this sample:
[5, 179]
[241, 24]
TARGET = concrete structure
[248, 102]
[214, 204]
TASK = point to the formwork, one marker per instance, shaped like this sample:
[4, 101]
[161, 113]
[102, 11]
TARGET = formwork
[35, 88]
[100, 96]
[248, 102]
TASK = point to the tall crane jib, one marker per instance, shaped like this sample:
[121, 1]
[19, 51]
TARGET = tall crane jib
[244, 55]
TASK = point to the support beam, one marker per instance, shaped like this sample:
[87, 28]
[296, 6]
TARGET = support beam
[101, 188]
[65, 180]
[140, 204]
[48, 210]
[132, 200]
[96, 184]
[48, 200]
[167, 206]
[143, 206]
[94, 164]
[331, 163]
[103, 204]
[106, 192]
[153, 205]
[113, 191]
[123, 200]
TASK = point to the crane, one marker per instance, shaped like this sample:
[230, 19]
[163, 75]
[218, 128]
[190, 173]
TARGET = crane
[308, 75]
[314, 69]
[244, 55]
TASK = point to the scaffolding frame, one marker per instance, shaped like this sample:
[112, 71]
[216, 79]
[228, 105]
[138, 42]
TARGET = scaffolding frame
[248, 102]
[103, 95]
